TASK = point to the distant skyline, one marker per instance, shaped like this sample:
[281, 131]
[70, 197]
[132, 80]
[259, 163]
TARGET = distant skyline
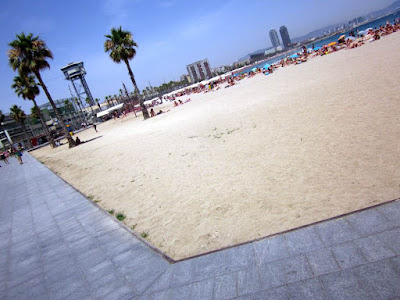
[170, 33]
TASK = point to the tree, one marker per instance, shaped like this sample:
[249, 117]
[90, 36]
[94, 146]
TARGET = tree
[88, 102]
[29, 54]
[97, 100]
[121, 47]
[68, 105]
[2, 117]
[19, 116]
[26, 87]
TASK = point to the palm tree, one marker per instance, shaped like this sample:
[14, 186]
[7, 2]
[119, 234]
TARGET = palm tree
[68, 105]
[121, 47]
[27, 88]
[29, 54]
[88, 102]
[19, 116]
[97, 100]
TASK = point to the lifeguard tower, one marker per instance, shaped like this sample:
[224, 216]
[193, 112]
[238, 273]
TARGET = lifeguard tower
[75, 72]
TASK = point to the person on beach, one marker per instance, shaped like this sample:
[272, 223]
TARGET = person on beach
[152, 113]
[18, 155]
[77, 141]
[95, 127]
[3, 157]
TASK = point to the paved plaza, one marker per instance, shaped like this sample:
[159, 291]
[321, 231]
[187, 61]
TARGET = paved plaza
[57, 244]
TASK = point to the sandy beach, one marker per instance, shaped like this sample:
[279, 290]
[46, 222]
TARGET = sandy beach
[272, 153]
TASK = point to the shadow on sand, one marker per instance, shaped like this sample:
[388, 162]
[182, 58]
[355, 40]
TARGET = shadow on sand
[95, 138]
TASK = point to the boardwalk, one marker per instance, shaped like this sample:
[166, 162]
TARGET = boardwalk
[56, 244]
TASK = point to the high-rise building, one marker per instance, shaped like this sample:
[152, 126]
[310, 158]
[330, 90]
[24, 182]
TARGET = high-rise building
[199, 70]
[274, 38]
[285, 37]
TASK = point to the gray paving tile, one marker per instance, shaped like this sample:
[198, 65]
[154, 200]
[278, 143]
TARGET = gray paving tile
[122, 293]
[391, 212]
[73, 291]
[369, 222]
[271, 249]
[182, 292]
[182, 273]
[279, 293]
[272, 274]
[163, 282]
[145, 271]
[322, 262]
[59, 264]
[245, 297]
[348, 255]
[336, 232]
[99, 271]
[380, 279]
[91, 259]
[106, 285]
[56, 277]
[27, 280]
[163, 295]
[225, 286]
[391, 239]
[303, 240]
[223, 262]
[309, 289]
[396, 263]
[248, 281]
[297, 268]
[344, 285]
[203, 290]
[22, 292]
[73, 280]
[373, 248]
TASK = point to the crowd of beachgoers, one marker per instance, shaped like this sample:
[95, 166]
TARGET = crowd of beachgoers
[353, 40]
[17, 152]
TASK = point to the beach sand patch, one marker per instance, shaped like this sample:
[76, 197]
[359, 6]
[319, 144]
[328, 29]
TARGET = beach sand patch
[307, 143]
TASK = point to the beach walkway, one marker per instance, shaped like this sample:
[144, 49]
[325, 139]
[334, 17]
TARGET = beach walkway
[56, 244]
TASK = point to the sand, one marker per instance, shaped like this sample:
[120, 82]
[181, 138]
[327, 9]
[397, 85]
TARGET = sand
[272, 153]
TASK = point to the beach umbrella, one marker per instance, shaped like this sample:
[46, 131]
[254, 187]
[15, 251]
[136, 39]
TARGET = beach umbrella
[317, 48]
[341, 37]
[332, 44]
[294, 55]
[266, 66]
[254, 69]
[350, 38]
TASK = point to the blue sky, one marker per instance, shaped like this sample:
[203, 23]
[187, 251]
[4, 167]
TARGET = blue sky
[170, 35]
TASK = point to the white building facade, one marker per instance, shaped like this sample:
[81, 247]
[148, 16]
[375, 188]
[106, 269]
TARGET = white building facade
[199, 70]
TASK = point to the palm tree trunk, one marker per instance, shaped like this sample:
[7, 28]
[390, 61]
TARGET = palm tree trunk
[71, 142]
[44, 126]
[26, 133]
[142, 106]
